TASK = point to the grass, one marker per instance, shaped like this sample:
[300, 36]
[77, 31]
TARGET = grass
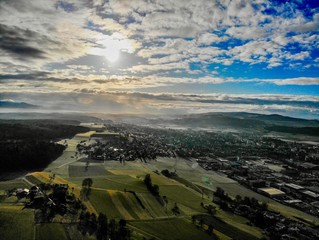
[182, 195]
[230, 230]
[33, 179]
[293, 213]
[171, 229]
[102, 202]
[239, 222]
[153, 207]
[130, 204]
[115, 182]
[79, 171]
[117, 204]
[50, 231]
[221, 236]
[44, 177]
[15, 223]
[162, 180]
[13, 184]
[128, 172]
[72, 232]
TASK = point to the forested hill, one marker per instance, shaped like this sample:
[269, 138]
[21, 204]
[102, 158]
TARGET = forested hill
[244, 121]
[27, 145]
[38, 129]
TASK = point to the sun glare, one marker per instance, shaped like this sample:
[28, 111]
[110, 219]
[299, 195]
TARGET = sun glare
[112, 46]
[112, 53]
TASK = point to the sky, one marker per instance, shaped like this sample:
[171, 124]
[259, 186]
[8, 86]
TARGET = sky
[161, 56]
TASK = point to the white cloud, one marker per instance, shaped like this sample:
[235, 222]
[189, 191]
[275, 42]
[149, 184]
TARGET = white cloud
[209, 38]
[296, 81]
[247, 32]
[48, 48]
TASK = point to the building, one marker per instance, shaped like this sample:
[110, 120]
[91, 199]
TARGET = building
[271, 192]
[293, 186]
[311, 195]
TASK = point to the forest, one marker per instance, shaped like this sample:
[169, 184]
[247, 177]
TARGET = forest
[27, 145]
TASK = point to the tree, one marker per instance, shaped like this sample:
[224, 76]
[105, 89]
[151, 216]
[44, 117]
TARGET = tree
[87, 182]
[112, 229]
[123, 232]
[155, 190]
[210, 229]
[86, 188]
[238, 199]
[176, 209]
[148, 180]
[193, 219]
[92, 224]
[211, 209]
[102, 227]
[219, 192]
[201, 222]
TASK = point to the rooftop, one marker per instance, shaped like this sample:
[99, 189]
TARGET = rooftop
[311, 194]
[294, 186]
[271, 191]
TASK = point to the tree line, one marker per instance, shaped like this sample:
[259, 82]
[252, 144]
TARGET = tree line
[102, 228]
[31, 145]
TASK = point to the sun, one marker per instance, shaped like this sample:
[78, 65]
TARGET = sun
[111, 47]
[112, 53]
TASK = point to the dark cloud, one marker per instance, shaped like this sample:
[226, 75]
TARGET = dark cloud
[224, 99]
[37, 76]
[23, 76]
[18, 42]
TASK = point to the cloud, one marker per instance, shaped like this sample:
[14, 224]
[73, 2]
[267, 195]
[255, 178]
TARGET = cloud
[19, 42]
[209, 38]
[296, 81]
[246, 32]
[307, 26]
[168, 103]
[61, 47]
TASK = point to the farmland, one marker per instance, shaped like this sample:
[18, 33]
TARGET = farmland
[50, 231]
[119, 192]
[22, 220]
[170, 229]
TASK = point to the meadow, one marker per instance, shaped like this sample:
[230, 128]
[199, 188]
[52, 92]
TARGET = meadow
[50, 231]
[22, 220]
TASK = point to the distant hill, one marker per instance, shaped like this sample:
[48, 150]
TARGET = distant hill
[208, 120]
[62, 117]
[13, 104]
[244, 121]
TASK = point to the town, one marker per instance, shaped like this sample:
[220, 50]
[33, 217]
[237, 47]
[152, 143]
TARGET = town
[285, 171]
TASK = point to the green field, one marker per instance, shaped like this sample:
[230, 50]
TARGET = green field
[33, 179]
[13, 184]
[91, 171]
[152, 206]
[183, 195]
[115, 182]
[231, 231]
[50, 231]
[15, 223]
[102, 202]
[127, 202]
[117, 204]
[170, 229]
